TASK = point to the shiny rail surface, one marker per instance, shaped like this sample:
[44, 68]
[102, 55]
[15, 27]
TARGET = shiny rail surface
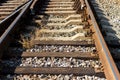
[9, 6]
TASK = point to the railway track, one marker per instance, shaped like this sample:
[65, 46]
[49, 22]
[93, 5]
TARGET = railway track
[60, 42]
[109, 25]
[9, 6]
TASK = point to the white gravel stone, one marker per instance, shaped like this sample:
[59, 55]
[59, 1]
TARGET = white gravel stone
[52, 62]
[111, 10]
[53, 77]
[64, 48]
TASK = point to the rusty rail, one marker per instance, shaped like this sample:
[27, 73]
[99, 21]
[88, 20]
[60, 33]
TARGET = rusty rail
[111, 70]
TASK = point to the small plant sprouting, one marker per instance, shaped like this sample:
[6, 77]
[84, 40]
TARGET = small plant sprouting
[26, 42]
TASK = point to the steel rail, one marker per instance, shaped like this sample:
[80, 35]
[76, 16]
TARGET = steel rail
[112, 71]
[13, 13]
[14, 22]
